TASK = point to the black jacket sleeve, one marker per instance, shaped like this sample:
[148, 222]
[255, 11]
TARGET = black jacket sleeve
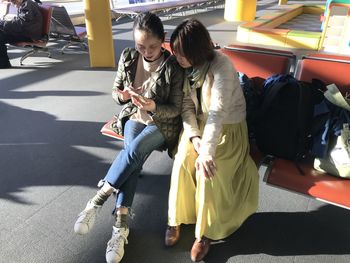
[27, 23]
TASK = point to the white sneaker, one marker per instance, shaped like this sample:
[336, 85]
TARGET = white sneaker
[115, 246]
[86, 218]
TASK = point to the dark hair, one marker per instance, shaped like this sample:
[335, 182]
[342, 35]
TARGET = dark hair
[150, 23]
[192, 40]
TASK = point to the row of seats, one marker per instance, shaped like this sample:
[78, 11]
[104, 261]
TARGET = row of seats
[57, 25]
[162, 7]
[260, 63]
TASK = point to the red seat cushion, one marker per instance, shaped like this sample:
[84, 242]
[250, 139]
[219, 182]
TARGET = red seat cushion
[36, 43]
[166, 45]
[319, 185]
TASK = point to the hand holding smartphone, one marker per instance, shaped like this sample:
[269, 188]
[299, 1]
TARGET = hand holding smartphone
[127, 92]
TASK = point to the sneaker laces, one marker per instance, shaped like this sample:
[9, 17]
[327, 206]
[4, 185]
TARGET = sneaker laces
[114, 244]
[88, 214]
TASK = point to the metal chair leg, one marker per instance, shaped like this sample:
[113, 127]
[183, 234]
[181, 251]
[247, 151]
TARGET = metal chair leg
[34, 51]
[27, 54]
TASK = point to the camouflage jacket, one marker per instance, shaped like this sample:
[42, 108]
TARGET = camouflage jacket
[165, 89]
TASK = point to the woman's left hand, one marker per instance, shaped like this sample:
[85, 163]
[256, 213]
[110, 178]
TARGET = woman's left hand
[143, 103]
[206, 165]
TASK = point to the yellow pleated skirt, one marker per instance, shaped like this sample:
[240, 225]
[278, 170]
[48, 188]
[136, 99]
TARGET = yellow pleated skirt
[220, 205]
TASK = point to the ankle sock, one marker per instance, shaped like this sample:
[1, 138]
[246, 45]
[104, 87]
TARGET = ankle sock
[99, 198]
[121, 221]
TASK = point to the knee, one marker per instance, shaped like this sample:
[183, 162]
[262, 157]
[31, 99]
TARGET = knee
[136, 152]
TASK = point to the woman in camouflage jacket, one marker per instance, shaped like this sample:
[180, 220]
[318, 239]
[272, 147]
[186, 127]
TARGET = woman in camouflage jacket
[149, 84]
[165, 89]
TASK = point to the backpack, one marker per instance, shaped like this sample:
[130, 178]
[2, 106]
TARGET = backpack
[252, 95]
[284, 120]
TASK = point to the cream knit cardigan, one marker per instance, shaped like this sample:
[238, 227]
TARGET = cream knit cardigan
[222, 103]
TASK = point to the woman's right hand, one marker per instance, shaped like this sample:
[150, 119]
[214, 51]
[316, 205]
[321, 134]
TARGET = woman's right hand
[205, 165]
[126, 94]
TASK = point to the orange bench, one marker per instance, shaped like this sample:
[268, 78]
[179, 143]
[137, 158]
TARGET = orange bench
[283, 173]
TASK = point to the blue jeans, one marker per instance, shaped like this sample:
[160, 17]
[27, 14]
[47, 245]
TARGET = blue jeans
[139, 142]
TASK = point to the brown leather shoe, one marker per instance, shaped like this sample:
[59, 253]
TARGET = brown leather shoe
[200, 249]
[172, 235]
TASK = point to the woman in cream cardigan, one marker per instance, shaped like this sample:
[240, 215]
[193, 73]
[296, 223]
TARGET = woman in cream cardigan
[214, 181]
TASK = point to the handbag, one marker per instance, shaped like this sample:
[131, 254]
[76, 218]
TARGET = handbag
[337, 159]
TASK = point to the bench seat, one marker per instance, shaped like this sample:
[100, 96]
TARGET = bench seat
[283, 173]
[316, 184]
[41, 43]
